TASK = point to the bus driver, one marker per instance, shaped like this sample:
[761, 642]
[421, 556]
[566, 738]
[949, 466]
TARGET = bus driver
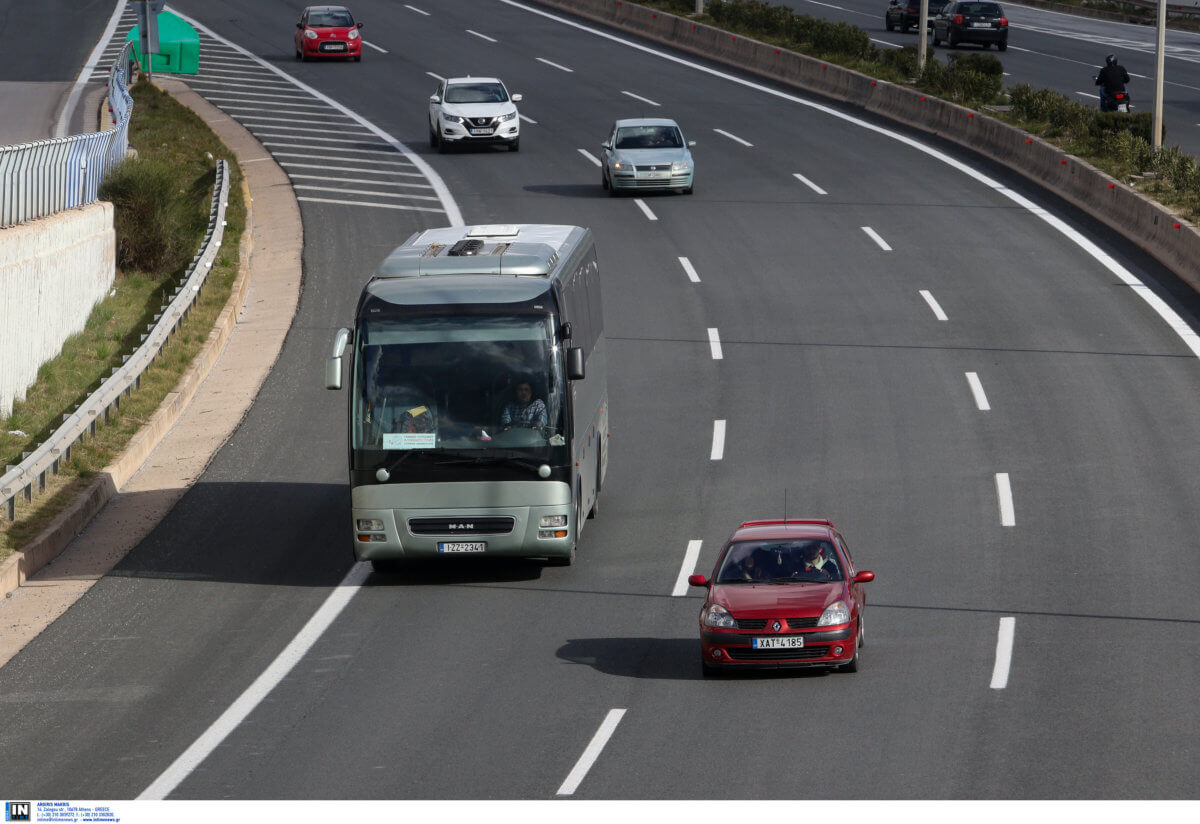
[525, 410]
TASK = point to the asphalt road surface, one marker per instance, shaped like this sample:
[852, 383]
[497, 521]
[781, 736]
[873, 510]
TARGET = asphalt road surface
[1002, 427]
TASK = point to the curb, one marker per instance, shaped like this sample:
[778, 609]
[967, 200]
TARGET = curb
[69, 523]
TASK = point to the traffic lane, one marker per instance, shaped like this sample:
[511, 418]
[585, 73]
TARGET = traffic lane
[418, 652]
[52, 42]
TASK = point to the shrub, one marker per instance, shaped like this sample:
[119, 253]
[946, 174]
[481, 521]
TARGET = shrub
[155, 215]
[964, 79]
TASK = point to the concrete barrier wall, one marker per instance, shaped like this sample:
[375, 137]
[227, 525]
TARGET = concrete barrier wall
[1175, 243]
[52, 272]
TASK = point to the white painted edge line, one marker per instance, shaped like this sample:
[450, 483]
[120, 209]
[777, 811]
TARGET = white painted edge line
[482, 36]
[733, 137]
[718, 442]
[1190, 338]
[809, 183]
[714, 342]
[1004, 647]
[379, 49]
[1004, 493]
[529, 120]
[645, 209]
[449, 205]
[594, 748]
[977, 390]
[690, 269]
[934, 305]
[589, 156]
[436, 77]
[399, 206]
[417, 10]
[686, 568]
[873, 235]
[291, 655]
[643, 99]
[90, 65]
[555, 65]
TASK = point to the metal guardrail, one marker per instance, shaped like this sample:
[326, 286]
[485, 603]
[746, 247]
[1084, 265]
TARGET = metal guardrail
[47, 176]
[30, 475]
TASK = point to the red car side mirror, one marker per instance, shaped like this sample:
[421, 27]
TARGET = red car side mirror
[864, 577]
[697, 581]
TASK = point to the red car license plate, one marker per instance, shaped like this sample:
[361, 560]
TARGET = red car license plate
[786, 642]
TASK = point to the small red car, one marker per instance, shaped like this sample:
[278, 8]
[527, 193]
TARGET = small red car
[328, 31]
[784, 593]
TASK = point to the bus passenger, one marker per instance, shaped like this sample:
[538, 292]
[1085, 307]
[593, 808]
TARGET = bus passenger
[525, 410]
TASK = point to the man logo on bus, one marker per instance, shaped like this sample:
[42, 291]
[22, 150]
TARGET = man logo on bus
[462, 526]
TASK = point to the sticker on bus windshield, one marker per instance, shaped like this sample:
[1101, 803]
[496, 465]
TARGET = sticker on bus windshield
[409, 440]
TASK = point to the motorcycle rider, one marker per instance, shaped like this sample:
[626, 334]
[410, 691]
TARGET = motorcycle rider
[1112, 79]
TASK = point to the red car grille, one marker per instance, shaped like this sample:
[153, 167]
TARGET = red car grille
[751, 654]
[761, 623]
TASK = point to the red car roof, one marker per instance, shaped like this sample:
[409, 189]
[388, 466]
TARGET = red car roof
[780, 528]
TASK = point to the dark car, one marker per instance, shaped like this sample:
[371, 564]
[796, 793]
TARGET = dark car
[784, 593]
[907, 14]
[971, 22]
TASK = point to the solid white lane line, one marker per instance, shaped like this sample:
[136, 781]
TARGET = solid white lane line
[404, 207]
[643, 99]
[1004, 645]
[873, 235]
[1190, 337]
[645, 209]
[555, 65]
[589, 156]
[194, 755]
[417, 10]
[1004, 493]
[482, 36]
[733, 137]
[309, 187]
[376, 48]
[934, 305]
[689, 565]
[714, 341]
[436, 77]
[585, 762]
[529, 120]
[690, 269]
[977, 390]
[718, 444]
[809, 183]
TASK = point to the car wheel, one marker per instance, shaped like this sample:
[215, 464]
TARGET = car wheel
[709, 671]
[852, 664]
[888, 24]
[390, 566]
[904, 28]
[1002, 45]
[300, 55]
[604, 180]
[937, 41]
[562, 560]
[443, 146]
[358, 58]
[515, 146]
[951, 40]
[433, 138]
[690, 189]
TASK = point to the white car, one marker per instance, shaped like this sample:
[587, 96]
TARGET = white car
[469, 110]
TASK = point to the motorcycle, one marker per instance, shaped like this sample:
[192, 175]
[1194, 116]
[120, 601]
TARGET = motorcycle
[1116, 102]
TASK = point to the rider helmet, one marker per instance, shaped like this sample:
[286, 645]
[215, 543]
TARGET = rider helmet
[1110, 60]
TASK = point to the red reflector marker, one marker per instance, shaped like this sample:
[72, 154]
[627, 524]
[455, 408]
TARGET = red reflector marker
[1063, 162]
[1110, 186]
[1176, 225]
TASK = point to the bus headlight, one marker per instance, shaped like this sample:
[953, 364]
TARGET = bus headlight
[552, 520]
[370, 525]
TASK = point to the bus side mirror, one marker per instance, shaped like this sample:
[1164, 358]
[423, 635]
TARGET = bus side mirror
[333, 366]
[575, 363]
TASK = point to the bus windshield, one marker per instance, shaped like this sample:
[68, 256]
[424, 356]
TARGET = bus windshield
[453, 383]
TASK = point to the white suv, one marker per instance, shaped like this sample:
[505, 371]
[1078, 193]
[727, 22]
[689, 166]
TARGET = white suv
[469, 110]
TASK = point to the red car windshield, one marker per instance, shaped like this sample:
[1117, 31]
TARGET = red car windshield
[331, 20]
[804, 560]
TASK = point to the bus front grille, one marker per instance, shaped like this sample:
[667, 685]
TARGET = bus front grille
[490, 525]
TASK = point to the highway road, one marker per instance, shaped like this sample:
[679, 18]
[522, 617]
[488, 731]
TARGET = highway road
[896, 334]
[1063, 52]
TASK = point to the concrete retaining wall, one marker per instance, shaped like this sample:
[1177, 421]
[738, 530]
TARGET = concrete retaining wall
[52, 272]
[1175, 243]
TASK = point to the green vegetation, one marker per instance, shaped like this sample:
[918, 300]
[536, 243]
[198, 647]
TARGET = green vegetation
[1116, 143]
[161, 203]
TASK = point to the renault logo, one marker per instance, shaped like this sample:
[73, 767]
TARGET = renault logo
[777, 626]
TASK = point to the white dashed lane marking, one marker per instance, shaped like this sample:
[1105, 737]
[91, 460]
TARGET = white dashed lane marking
[977, 390]
[689, 269]
[594, 748]
[714, 342]
[733, 137]
[1004, 648]
[934, 305]
[809, 184]
[873, 235]
[689, 565]
[554, 65]
[1008, 515]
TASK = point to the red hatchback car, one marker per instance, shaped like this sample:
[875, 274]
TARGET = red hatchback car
[784, 593]
[328, 31]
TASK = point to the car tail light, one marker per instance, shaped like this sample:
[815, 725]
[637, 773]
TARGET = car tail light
[958, 18]
[1003, 21]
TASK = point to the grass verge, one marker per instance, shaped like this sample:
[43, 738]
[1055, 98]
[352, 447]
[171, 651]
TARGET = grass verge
[176, 160]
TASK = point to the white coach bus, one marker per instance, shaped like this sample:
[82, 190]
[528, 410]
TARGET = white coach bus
[472, 426]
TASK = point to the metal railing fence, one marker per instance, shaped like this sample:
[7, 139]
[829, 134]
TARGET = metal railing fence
[47, 176]
[31, 474]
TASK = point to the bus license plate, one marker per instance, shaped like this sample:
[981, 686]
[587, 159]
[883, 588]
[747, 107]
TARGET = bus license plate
[789, 642]
[462, 546]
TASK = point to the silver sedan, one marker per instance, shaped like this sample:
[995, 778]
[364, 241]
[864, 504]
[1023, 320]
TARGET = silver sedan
[647, 153]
